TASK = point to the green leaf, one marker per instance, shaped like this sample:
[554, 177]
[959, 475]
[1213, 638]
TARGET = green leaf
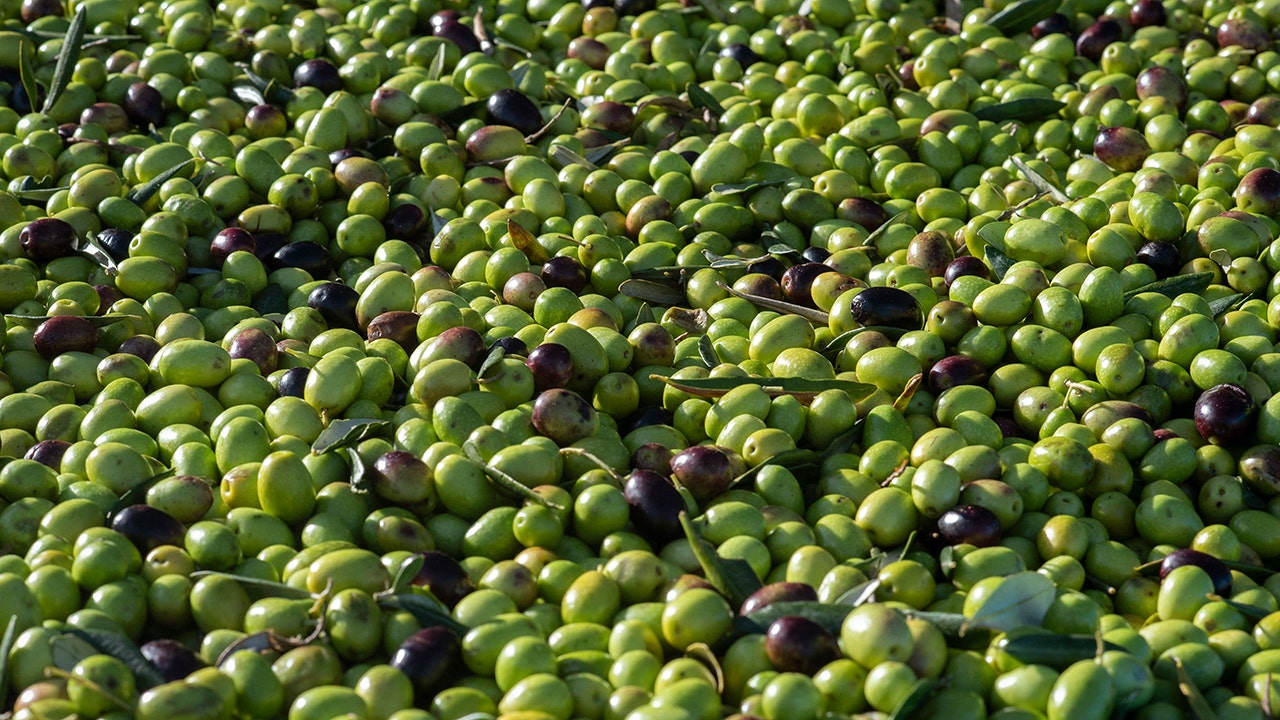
[860, 594]
[790, 459]
[436, 70]
[914, 700]
[726, 190]
[6, 644]
[428, 611]
[596, 154]
[269, 588]
[491, 361]
[716, 12]
[142, 193]
[137, 494]
[707, 352]
[68, 56]
[998, 261]
[699, 97]
[123, 649]
[1024, 109]
[98, 321]
[653, 292]
[68, 650]
[1223, 304]
[566, 157]
[506, 482]
[405, 574]
[1052, 650]
[91, 248]
[346, 433]
[26, 75]
[361, 479]
[827, 615]
[1038, 180]
[1020, 16]
[810, 314]
[950, 624]
[804, 389]
[1022, 599]
[248, 94]
[879, 232]
[1187, 686]
[1194, 283]
[733, 578]
[838, 343]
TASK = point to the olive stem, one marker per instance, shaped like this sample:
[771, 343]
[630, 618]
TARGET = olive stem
[535, 137]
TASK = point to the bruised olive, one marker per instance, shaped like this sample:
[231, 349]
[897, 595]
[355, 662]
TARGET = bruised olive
[1217, 570]
[48, 452]
[777, 592]
[318, 73]
[172, 659]
[1097, 37]
[64, 333]
[864, 211]
[798, 644]
[956, 370]
[1245, 32]
[45, 239]
[655, 506]
[513, 108]
[443, 577]
[1121, 148]
[971, 524]
[887, 306]
[399, 326]
[654, 457]
[551, 365]
[1225, 414]
[143, 346]
[704, 470]
[564, 416]
[256, 346]
[1260, 468]
[401, 478]
[460, 343]
[429, 658]
[148, 527]
[336, 303]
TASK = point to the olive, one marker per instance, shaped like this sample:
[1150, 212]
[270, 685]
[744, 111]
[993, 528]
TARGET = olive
[654, 457]
[336, 303]
[143, 346]
[448, 15]
[1123, 148]
[147, 527]
[645, 416]
[1147, 12]
[551, 365]
[429, 658]
[404, 222]
[1097, 37]
[886, 306]
[62, 334]
[144, 105]
[798, 644]
[303, 255]
[33, 10]
[115, 241]
[1055, 24]
[655, 506]
[971, 524]
[1161, 257]
[1217, 570]
[256, 346]
[292, 382]
[745, 56]
[511, 345]
[399, 326]
[956, 370]
[458, 34]
[1244, 32]
[1225, 414]
[267, 244]
[513, 108]
[704, 470]
[47, 238]
[172, 659]
[965, 265]
[460, 343]
[777, 592]
[318, 73]
[864, 211]
[797, 281]
[229, 240]
[564, 271]
[443, 576]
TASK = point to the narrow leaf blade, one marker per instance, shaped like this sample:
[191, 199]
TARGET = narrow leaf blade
[1024, 109]
[6, 644]
[998, 261]
[346, 432]
[733, 578]
[123, 649]
[68, 57]
[1020, 16]
[428, 611]
[141, 194]
[652, 292]
[1194, 283]
[1022, 599]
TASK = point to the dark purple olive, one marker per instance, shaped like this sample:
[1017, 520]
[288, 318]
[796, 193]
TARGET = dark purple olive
[966, 265]
[1160, 81]
[1055, 24]
[460, 343]
[511, 346]
[267, 244]
[1009, 428]
[460, 35]
[439, 18]
[115, 241]
[143, 346]
[609, 116]
[64, 333]
[1145, 13]
[972, 524]
[704, 470]
[398, 326]
[318, 73]
[345, 153]
[444, 577]
[110, 116]
[564, 416]
[1259, 192]
[815, 254]
[551, 365]
[956, 370]
[655, 506]
[229, 240]
[336, 303]
[1217, 570]
[888, 306]
[48, 452]
[564, 271]
[48, 238]
[645, 416]
[513, 108]
[401, 478]
[777, 592]
[633, 7]
[1123, 148]
[689, 156]
[292, 382]
[147, 527]
[1162, 434]
[1264, 111]
[429, 658]
[304, 255]
[864, 211]
[1162, 257]
[173, 660]
[1245, 32]
[404, 222]
[144, 105]
[33, 10]
[1225, 414]
[654, 457]
[797, 644]
[256, 346]
[745, 56]
[760, 284]
[1097, 37]
[797, 281]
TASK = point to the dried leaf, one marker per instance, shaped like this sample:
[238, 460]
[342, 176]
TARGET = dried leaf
[653, 292]
[803, 389]
[733, 578]
[1199, 706]
[1022, 599]
[1019, 17]
[691, 321]
[1024, 109]
[346, 433]
[525, 242]
[123, 649]
[705, 655]
[1194, 283]
[428, 611]
[68, 56]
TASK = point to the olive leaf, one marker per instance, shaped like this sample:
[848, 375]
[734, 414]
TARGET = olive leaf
[1021, 16]
[345, 433]
[491, 361]
[790, 459]
[566, 157]
[1252, 612]
[1052, 650]
[811, 314]
[860, 594]
[91, 248]
[1022, 599]
[1038, 180]
[827, 615]
[915, 699]
[98, 321]
[6, 645]
[123, 649]
[699, 97]
[137, 494]
[1223, 304]
[1023, 109]
[361, 479]
[142, 193]
[803, 389]
[269, 588]
[600, 152]
[1255, 572]
[716, 12]
[436, 70]
[998, 261]
[26, 75]
[68, 650]
[726, 190]
[653, 292]
[506, 482]
[428, 611]
[525, 242]
[1187, 686]
[1194, 283]
[405, 574]
[949, 624]
[879, 232]
[68, 56]
[733, 578]
[248, 95]
[707, 352]
[838, 343]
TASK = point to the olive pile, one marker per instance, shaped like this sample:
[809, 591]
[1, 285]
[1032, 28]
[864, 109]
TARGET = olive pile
[546, 359]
